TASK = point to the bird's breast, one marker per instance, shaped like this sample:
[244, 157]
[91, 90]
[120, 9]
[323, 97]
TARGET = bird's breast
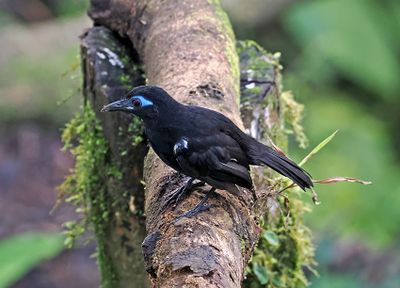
[160, 142]
[163, 145]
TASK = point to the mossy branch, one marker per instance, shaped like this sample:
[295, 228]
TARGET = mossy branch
[205, 73]
[106, 183]
[285, 247]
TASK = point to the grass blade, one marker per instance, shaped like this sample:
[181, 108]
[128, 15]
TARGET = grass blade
[342, 179]
[317, 148]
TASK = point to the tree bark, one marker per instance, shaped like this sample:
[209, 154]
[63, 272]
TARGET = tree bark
[109, 69]
[188, 48]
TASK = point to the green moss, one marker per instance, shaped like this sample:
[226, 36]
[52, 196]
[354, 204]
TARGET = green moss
[285, 257]
[293, 113]
[125, 80]
[230, 49]
[84, 187]
[136, 129]
[285, 247]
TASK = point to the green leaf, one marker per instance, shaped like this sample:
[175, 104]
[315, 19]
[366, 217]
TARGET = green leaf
[271, 237]
[20, 253]
[317, 148]
[261, 273]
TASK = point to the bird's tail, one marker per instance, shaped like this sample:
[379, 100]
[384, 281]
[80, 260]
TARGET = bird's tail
[264, 155]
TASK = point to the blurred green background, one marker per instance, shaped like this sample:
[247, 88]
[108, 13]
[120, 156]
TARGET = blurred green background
[341, 60]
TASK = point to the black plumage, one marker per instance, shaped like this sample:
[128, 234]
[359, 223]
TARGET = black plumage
[202, 143]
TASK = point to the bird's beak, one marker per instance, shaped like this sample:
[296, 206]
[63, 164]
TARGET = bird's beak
[120, 105]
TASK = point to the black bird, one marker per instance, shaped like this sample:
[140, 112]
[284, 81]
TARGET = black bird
[203, 144]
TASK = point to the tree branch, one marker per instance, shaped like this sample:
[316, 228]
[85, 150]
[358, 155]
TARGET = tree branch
[188, 48]
[109, 71]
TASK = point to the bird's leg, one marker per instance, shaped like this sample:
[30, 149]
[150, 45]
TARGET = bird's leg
[253, 192]
[177, 194]
[200, 207]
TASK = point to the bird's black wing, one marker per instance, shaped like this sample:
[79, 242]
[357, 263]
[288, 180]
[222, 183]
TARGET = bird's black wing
[212, 159]
[253, 151]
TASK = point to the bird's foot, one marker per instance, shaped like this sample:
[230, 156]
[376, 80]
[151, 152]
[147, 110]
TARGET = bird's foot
[193, 212]
[177, 195]
[200, 207]
[254, 194]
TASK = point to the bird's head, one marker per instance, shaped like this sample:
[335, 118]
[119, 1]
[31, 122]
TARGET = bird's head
[142, 101]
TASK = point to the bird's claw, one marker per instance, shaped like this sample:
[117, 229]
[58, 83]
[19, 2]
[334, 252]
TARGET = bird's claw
[200, 207]
[177, 195]
[193, 212]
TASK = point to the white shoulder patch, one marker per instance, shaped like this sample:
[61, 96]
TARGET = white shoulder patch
[181, 146]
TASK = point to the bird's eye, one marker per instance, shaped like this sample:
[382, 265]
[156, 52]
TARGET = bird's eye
[136, 103]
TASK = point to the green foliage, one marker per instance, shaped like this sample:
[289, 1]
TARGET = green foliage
[284, 249]
[354, 40]
[354, 36]
[261, 273]
[364, 151]
[36, 88]
[271, 238]
[85, 187]
[346, 73]
[20, 253]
